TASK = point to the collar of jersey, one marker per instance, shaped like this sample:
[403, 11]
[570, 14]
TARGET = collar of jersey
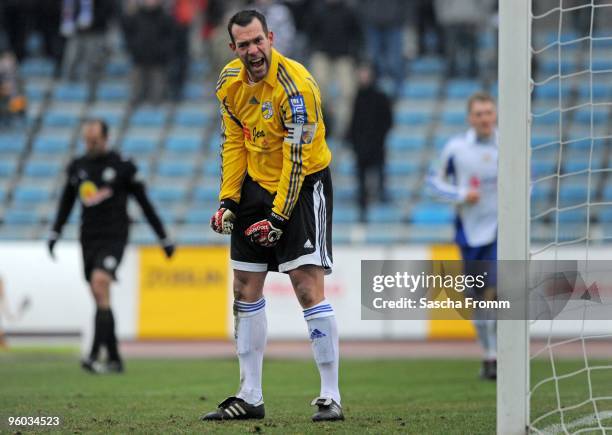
[270, 78]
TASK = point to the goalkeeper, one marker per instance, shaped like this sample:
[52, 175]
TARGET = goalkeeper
[466, 175]
[276, 202]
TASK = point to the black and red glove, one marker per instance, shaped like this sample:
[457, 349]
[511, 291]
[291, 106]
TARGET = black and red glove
[266, 232]
[222, 221]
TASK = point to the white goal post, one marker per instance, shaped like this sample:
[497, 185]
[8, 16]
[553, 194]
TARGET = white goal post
[513, 206]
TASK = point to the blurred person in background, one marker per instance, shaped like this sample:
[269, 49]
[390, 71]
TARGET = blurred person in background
[429, 32]
[371, 121]
[335, 38]
[466, 176]
[218, 13]
[462, 22]
[85, 24]
[148, 32]
[12, 99]
[279, 18]
[103, 180]
[384, 22]
[47, 21]
[276, 203]
[16, 18]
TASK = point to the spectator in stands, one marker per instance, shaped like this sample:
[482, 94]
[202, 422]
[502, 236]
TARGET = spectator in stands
[462, 22]
[184, 13]
[12, 99]
[280, 21]
[47, 22]
[15, 18]
[85, 24]
[335, 40]
[429, 32]
[384, 21]
[370, 123]
[218, 13]
[148, 34]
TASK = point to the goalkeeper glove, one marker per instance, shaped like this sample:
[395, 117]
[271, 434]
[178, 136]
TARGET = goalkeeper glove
[266, 232]
[222, 221]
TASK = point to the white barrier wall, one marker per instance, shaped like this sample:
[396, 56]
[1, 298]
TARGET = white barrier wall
[60, 300]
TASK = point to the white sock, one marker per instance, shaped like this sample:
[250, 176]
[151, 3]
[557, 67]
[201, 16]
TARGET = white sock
[483, 337]
[250, 333]
[323, 331]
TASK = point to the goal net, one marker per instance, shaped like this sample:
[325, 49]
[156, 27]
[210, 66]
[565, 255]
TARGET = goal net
[566, 379]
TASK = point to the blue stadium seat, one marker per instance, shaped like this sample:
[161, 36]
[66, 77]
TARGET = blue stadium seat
[112, 117]
[8, 168]
[168, 194]
[551, 118]
[148, 117]
[541, 191]
[345, 214]
[192, 118]
[194, 91]
[601, 64]
[183, 144]
[399, 193]
[441, 140]
[117, 67]
[42, 169]
[383, 237]
[607, 192]
[176, 168]
[36, 91]
[198, 68]
[573, 216]
[412, 117]
[198, 215]
[550, 90]
[430, 233]
[12, 143]
[384, 214]
[345, 192]
[572, 195]
[113, 92]
[543, 168]
[599, 115]
[397, 142]
[401, 167]
[51, 145]
[139, 145]
[36, 67]
[600, 91]
[212, 167]
[453, 117]
[75, 92]
[31, 194]
[420, 90]
[432, 214]
[20, 216]
[427, 65]
[206, 193]
[462, 88]
[346, 167]
[60, 118]
[542, 139]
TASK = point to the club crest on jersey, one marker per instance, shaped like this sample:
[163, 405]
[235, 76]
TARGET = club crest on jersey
[90, 194]
[298, 109]
[109, 175]
[266, 110]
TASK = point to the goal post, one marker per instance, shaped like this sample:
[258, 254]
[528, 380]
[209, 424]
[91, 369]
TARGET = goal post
[513, 206]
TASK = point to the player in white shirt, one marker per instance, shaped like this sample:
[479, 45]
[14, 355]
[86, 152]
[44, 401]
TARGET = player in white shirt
[466, 175]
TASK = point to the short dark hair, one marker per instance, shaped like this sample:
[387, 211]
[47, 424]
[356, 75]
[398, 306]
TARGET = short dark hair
[480, 96]
[102, 123]
[244, 18]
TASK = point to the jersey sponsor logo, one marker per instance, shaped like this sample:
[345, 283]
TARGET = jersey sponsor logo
[298, 109]
[108, 175]
[90, 194]
[266, 110]
[109, 263]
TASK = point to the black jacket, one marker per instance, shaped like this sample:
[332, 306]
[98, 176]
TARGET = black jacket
[370, 123]
[149, 35]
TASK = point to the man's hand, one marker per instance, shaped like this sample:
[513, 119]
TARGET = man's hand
[263, 233]
[472, 196]
[222, 221]
[169, 247]
[51, 241]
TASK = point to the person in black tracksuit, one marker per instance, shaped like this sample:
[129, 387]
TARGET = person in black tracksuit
[103, 180]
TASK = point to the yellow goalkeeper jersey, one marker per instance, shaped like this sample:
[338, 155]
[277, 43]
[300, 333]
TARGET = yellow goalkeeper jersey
[273, 130]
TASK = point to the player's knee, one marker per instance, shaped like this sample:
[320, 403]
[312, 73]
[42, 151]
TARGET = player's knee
[248, 287]
[100, 286]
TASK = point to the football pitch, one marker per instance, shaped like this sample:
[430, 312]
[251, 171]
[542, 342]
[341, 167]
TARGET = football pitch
[168, 395]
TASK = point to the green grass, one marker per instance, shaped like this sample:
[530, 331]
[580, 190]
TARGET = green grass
[167, 396]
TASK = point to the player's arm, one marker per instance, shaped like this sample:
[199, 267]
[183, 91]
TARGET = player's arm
[439, 176]
[137, 189]
[66, 202]
[233, 168]
[300, 117]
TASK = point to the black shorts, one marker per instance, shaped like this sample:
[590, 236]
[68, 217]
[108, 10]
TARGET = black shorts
[102, 254]
[306, 239]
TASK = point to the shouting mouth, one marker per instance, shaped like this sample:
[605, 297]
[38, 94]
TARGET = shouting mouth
[257, 63]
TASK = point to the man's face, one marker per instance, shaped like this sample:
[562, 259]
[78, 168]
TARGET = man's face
[483, 118]
[95, 142]
[253, 48]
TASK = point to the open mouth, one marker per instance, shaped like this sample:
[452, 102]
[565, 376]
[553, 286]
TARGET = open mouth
[257, 63]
